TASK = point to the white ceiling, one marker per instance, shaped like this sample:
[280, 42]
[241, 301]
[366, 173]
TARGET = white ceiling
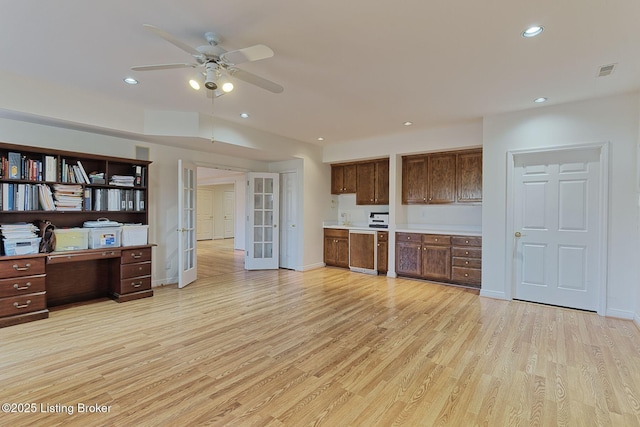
[351, 69]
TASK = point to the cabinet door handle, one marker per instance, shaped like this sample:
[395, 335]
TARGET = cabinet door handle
[22, 288]
[25, 268]
[25, 305]
[436, 240]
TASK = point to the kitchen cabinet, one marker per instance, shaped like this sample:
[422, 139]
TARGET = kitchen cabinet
[442, 258]
[336, 247]
[372, 185]
[467, 260]
[469, 176]
[343, 178]
[383, 252]
[442, 178]
[436, 257]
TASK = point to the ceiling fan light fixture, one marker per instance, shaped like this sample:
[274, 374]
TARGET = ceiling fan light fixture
[227, 86]
[194, 84]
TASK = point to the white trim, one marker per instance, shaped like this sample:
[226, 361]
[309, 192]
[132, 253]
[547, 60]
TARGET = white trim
[603, 221]
[494, 294]
[636, 319]
[620, 314]
[312, 266]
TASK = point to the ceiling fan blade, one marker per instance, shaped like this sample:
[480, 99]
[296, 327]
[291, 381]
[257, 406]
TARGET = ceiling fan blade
[248, 54]
[255, 80]
[162, 67]
[174, 41]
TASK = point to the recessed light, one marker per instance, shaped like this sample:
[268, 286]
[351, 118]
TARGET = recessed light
[540, 100]
[244, 115]
[407, 123]
[532, 31]
[194, 84]
[320, 138]
[130, 81]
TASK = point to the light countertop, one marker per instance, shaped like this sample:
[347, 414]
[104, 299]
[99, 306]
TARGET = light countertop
[454, 230]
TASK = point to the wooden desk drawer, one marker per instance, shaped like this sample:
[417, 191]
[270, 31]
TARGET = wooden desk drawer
[135, 285]
[128, 271]
[21, 267]
[21, 285]
[467, 262]
[467, 252]
[22, 304]
[74, 256]
[466, 275]
[136, 255]
[436, 239]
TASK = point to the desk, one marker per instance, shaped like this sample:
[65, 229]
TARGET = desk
[31, 284]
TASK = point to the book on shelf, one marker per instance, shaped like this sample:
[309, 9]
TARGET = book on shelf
[14, 166]
[83, 173]
[50, 168]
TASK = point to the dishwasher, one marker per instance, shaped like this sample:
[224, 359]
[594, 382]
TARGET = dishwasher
[363, 251]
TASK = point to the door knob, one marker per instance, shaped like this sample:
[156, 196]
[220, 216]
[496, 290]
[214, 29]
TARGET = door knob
[518, 234]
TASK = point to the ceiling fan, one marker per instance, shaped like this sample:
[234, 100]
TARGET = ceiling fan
[215, 60]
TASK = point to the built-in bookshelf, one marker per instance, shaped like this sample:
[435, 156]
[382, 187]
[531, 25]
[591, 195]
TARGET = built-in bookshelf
[68, 188]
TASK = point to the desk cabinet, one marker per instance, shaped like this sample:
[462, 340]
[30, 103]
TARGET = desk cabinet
[383, 252]
[135, 275]
[22, 290]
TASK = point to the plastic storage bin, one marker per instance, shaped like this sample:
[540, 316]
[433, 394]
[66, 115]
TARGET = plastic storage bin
[134, 234]
[71, 239]
[104, 237]
[23, 246]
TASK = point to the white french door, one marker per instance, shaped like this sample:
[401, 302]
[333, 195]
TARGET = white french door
[557, 229]
[262, 221]
[229, 206]
[187, 257]
[288, 219]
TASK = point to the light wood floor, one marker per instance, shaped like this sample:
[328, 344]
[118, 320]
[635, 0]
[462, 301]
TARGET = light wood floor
[324, 347]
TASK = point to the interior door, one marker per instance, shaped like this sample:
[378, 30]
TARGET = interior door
[187, 257]
[204, 226]
[229, 206]
[262, 247]
[556, 233]
[288, 217]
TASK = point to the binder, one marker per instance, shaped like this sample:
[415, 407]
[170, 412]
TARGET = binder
[15, 166]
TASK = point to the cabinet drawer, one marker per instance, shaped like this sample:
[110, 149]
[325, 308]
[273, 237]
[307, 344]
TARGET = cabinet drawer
[466, 275]
[467, 252]
[135, 285]
[436, 239]
[136, 255]
[21, 267]
[22, 304]
[467, 262]
[408, 237]
[383, 236]
[466, 241]
[21, 286]
[128, 271]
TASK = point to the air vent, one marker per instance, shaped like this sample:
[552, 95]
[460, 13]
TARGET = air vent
[606, 70]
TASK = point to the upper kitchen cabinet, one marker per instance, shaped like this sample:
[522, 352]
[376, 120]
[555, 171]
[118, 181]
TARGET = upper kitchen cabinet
[469, 176]
[441, 178]
[414, 179]
[373, 182]
[343, 178]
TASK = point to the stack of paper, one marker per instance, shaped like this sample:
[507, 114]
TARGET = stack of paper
[122, 180]
[68, 197]
[20, 230]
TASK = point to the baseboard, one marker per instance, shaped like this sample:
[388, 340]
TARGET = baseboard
[620, 314]
[163, 282]
[311, 266]
[493, 294]
[636, 320]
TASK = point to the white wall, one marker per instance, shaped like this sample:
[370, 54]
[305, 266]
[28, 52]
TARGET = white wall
[614, 120]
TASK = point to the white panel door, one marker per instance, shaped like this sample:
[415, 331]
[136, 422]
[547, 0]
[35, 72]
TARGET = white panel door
[288, 218]
[262, 221]
[229, 207]
[557, 228]
[204, 226]
[187, 257]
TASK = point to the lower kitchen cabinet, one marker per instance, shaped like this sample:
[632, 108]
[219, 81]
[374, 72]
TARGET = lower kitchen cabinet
[443, 258]
[336, 247]
[383, 252]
